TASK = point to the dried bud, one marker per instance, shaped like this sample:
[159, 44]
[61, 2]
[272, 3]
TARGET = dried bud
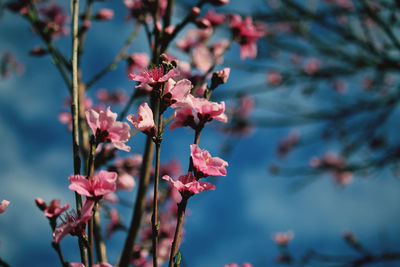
[38, 51]
[218, 2]
[203, 23]
[40, 203]
[219, 77]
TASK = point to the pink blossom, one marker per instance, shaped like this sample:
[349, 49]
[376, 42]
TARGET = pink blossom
[72, 224]
[130, 164]
[114, 97]
[113, 223]
[218, 50]
[137, 62]
[55, 20]
[215, 18]
[111, 197]
[342, 178]
[208, 110]
[205, 111]
[283, 238]
[125, 181]
[188, 183]
[106, 128]
[3, 205]
[54, 209]
[246, 106]
[202, 58]
[288, 143]
[193, 38]
[153, 76]
[105, 14]
[274, 78]
[205, 164]
[312, 66]
[176, 92]
[144, 121]
[66, 118]
[100, 184]
[171, 168]
[247, 34]
[183, 117]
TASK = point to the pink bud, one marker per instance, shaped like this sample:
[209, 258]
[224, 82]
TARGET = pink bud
[105, 14]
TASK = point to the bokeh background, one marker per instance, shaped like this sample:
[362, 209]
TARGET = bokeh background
[235, 223]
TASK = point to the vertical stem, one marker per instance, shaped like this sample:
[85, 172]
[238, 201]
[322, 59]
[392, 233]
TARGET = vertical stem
[101, 251]
[90, 177]
[178, 229]
[154, 218]
[75, 111]
[139, 204]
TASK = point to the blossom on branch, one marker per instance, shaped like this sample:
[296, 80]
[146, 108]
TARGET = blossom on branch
[189, 183]
[153, 76]
[4, 205]
[106, 129]
[100, 184]
[144, 121]
[246, 34]
[72, 224]
[53, 210]
[205, 164]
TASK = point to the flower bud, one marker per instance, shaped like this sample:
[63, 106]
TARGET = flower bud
[219, 77]
[218, 2]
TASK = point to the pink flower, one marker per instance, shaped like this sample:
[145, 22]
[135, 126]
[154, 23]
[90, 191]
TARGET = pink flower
[214, 18]
[107, 129]
[3, 205]
[247, 34]
[312, 66]
[176, 92]
[113, 224]
[100, 184]
[342, 178]
[125, 181]
[274, 78]
[144, 121]
[283, 238]
[205, 164]
[66, 118]
[55, 20]
[189, 183]
[105, 14]
[138, 62]
[153, 76]
[183, 117]
[54, 209]
[73, 225]
[114, 97]
[202, 58]
[205, 111]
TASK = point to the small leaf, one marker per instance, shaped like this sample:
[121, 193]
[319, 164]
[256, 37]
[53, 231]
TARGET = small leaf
[178, 258]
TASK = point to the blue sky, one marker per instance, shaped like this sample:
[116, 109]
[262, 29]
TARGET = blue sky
[232, 224]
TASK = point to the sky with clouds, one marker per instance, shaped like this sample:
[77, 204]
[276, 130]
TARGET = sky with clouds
[235, 223]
